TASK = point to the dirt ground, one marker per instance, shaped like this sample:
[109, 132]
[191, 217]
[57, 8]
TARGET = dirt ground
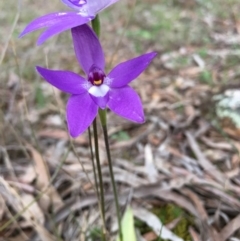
[179, 169]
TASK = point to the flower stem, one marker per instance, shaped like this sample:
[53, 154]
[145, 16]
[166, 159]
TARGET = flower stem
[96, 25]
[95, 133]
[93, 161]
[97, 28]
[103, 118]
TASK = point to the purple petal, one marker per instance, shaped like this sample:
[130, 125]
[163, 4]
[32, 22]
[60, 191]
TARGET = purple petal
[100, 95]
[91, 7]
[126, 103]
[87, 48]
[101, 101]
[81, 111]
[95, 7]
[127, 71]
[49, 20]
[60, 27]
[75, 4]
[66, 81]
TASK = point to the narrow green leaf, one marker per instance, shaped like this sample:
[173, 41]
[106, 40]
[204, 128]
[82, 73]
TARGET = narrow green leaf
[128, 230]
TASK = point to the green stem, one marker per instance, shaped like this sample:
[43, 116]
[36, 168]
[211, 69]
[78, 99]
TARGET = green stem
[96, 25]
[103, 118]
[97, 28]
[95, 133]
[93, 161]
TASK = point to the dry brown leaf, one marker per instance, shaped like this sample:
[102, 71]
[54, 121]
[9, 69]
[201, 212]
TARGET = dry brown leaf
[33, 215]
[233, 133]
[8, 163]
[197, 203]
[206, 229]
[134, 140]
[189, 110]
[10, 195]
[167, 195]
[28, 176]
[233, 173]
[23, 187]
[33, 212]
[230, 228]
[173, 223]
[191, 71]
[220, 145]
[215, 235]
[43, 181]
[206, 164]
[155, 224]
[225, 197]
[41, 169]
[195, 236]
[150, 236]
[126, 177]
[60, 134]
[151, 170]
[16, 238]
[130, 166]
[2, 207]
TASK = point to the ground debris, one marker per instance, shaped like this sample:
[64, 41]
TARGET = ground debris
[186, 154]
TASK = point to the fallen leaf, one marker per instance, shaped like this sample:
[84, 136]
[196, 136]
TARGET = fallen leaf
[230, 228]
[155, 224]
[43, 181]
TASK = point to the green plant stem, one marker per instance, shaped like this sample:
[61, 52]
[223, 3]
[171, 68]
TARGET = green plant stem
[97, 28]
[95, 133]
[96, 25]
[93, 161]
[103, 118]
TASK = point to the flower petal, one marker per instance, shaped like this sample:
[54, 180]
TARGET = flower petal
[95, 7]
[126, 103]
[87, 48]
[49, 20]
[92, 7]
[127, 71]
[99, 91]
[101, 101]
[100, 95]
[81, 111]
[62, 26]
[66, 81]
[77, 4]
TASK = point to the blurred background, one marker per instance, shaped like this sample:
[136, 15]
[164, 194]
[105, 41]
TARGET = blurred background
[179, 169]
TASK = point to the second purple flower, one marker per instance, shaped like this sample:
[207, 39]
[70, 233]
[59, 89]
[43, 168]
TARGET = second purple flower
[82, 12]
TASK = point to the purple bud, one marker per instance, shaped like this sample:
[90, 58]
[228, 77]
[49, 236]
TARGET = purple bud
[96, 75]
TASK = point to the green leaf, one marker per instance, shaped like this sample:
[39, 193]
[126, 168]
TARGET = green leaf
[121, 136]
[39, 97]
[128, 230]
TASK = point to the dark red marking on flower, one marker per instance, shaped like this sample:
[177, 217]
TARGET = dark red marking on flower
[96, 75]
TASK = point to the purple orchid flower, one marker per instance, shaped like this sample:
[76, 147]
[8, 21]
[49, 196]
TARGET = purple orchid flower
[98, 90]
[83, 12]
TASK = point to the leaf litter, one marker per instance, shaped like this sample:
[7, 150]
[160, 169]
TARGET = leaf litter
[185, 154]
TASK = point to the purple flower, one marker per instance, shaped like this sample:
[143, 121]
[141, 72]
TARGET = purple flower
[98, 90]
[83, 12]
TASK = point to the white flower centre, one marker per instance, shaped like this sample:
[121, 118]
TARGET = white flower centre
[99, 91]
[107, 80]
